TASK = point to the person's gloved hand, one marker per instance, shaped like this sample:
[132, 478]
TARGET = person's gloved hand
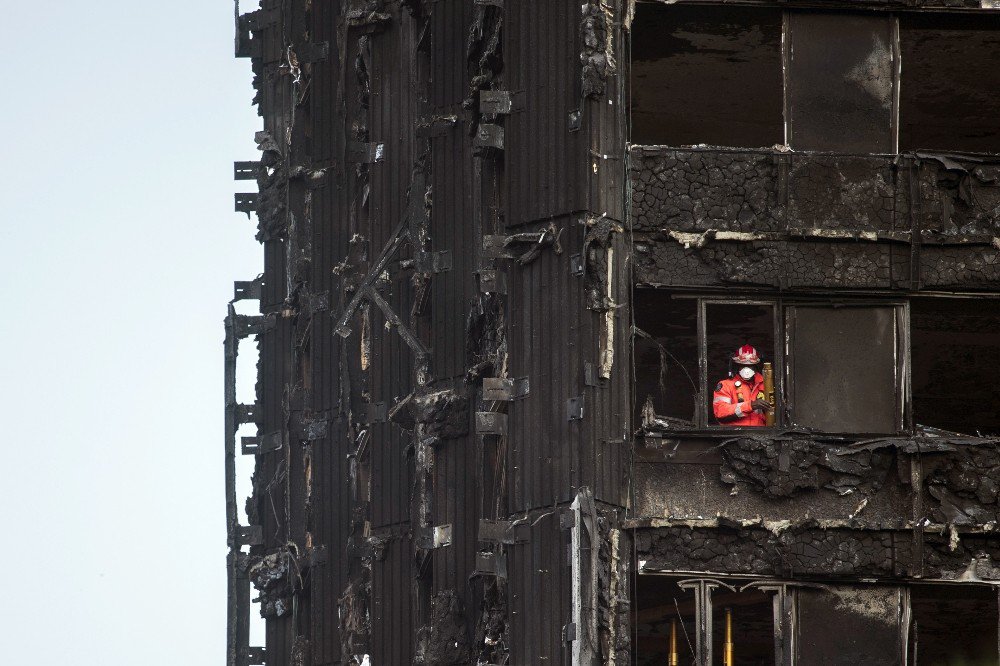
[761, 405]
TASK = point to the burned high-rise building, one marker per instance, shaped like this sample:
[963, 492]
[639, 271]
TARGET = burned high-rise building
[620, 332]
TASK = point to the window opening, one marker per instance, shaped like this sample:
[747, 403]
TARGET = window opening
[666, 356]
[664, 622]
[739, 340]
[950, 92]
[686, 621]
[842, 84]
[953, 625]
[955, 360]
[743, 627]
[845, 368]
[706, 75]
[848, 626]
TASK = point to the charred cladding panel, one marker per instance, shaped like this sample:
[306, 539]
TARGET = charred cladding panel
[841, 82]
[706, 75]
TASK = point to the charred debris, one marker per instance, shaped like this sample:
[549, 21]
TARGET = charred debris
[509, 246]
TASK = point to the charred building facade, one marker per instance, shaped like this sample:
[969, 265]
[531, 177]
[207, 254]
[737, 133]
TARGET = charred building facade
[510, 248]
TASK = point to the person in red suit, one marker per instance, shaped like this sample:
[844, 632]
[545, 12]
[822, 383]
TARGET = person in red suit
[740, 400]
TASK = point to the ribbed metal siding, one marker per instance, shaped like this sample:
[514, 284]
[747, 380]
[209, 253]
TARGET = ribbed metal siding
[552, 336]
[546, 162]
[540, 596]
[452, 230]
[449, 78]
[391, 114]
[392, 604]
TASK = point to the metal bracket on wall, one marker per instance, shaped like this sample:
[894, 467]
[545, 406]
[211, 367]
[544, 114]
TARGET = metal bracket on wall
[574, 408]
[250, 535]
[495, 101]
[493, 282]
[245, 170]
[246, 414]
[246, 202]
[504, 390]
[248, 290]
[438, 536]
[491, 423]
[590, 375]
[503, 531]
[433, 262]
[365, 153]
[494, 247]
[576, 264]
[313, 52]
[255, 446]
[256, 656]
[491, 564]
[489, 136]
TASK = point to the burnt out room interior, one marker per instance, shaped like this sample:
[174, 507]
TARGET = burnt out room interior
[619, 332]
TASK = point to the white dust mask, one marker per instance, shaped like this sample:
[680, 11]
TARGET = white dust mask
[747, 372]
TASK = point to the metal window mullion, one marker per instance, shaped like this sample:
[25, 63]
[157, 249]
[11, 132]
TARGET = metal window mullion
[702, 412]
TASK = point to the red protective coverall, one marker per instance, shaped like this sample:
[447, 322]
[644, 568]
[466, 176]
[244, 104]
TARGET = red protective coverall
[733, 398]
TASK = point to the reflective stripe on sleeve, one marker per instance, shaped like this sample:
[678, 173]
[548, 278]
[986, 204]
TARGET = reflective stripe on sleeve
[720, 398]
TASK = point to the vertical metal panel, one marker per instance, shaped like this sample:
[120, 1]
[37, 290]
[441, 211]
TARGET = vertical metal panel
[392, 121]
[455, 502]
[452, 230]
[841, 78]
[552, 337]
[546, 163]
[449, 78]
[392, 603]
[539, 592]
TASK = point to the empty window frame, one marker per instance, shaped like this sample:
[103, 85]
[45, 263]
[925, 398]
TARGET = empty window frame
[841, 82]
[684, 347]
[846, 367]
[950, 90]
[848, 82]
[837, 368]
[666, 355]
[706, 75]
[953, 625]
[849, 625]
[955, 355]
[697, 621]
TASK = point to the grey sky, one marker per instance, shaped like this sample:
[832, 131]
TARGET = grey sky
[119, 247]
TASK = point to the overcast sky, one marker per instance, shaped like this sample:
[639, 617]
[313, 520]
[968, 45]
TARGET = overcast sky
[121, 121]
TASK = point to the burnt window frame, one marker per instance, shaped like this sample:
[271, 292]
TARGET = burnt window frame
[786, 601]
[702, 417]
[783, 363]
[899, 18]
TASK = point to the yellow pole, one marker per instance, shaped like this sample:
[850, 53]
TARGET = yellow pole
[674, 657]
[768, 372]
[728, 659]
